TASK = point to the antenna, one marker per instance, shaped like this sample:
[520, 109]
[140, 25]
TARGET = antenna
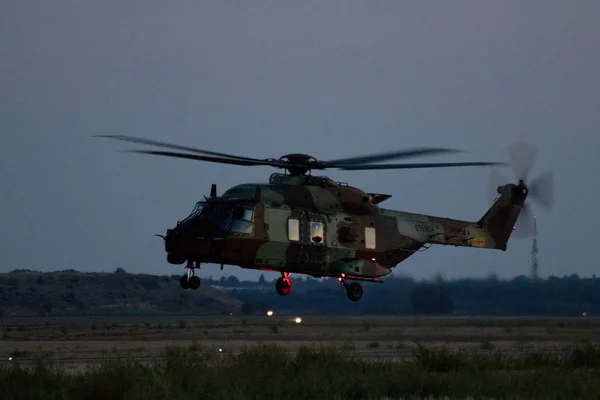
[534, 252]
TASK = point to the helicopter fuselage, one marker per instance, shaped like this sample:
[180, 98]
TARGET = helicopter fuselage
[312, 225]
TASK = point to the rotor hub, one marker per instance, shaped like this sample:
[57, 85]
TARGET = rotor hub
[522, 187]
[299, 163]
[298, 158]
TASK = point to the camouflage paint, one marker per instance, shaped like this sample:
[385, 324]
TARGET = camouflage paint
[345, 213]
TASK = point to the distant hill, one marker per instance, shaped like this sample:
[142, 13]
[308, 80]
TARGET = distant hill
[31, 293]
[70, 293]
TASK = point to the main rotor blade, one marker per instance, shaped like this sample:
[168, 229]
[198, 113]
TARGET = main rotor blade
[542, 190]
[410, 166]
[389, 156]
[522, 157]
[212, 159]
[149, 142]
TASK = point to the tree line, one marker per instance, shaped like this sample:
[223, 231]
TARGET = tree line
[553, 296]
[37, 293]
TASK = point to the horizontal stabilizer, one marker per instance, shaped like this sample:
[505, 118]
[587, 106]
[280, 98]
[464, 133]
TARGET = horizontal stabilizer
[377, 198]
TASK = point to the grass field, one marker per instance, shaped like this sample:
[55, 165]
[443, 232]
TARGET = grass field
[321, 357]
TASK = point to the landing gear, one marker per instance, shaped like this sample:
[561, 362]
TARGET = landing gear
[194, 282]
[284, 284]
[183, 282]
[190, 280]
[354, 290]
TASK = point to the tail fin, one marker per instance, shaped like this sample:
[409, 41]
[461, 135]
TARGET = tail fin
[500, 219]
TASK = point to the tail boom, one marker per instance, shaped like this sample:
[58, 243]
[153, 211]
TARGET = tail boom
[492, 231]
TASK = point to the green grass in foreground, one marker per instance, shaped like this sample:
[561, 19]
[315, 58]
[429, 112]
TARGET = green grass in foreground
[266, 372]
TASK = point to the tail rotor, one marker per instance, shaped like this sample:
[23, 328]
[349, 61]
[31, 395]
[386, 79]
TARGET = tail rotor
[539, 189]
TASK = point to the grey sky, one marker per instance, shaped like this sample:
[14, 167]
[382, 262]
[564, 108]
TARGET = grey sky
[263, 79]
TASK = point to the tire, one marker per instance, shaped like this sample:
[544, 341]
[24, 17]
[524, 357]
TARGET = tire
[183, 282]
[354, 291]
[283, 287]
[194, 282]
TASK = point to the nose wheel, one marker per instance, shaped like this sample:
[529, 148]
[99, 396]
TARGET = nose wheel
[190, 280]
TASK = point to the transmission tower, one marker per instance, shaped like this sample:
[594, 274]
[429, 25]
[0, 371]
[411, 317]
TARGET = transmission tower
[534, 252]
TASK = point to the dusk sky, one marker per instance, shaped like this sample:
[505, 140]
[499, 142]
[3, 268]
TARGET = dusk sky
[329, 78]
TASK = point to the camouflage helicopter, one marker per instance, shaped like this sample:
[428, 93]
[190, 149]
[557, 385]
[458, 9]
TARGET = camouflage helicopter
[298, 223]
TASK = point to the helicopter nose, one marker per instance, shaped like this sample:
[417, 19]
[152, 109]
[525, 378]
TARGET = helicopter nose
[171, 234]
[173, 238]
[179, 234]
[169, 240]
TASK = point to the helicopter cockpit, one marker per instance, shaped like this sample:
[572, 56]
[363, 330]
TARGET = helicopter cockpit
[228, 217]
[198, 207]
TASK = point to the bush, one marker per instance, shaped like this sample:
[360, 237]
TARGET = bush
[271, 372]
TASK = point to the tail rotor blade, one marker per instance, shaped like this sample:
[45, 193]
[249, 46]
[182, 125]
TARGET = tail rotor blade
[522, 157]
[542, 190]
[524, 225]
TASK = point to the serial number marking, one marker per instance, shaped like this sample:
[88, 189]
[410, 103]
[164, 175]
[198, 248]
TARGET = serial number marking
[424, 228]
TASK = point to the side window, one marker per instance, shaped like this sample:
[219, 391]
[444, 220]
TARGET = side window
[370, 238]
[293, 229]
[243, 214]
[316, 232]
[248, 215]
[243, 220]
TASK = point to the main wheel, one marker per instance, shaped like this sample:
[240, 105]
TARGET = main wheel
[194, 282]
[354, 291]
[184, 283]
[283, 286]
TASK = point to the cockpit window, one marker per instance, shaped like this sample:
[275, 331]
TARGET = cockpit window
[243, 213]
[196, 211]
[219, 214]
[243, 220]
[237, 218]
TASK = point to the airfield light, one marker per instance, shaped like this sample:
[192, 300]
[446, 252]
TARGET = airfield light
[298, 320]
[9, 358]
[270, 313]
[220, 350]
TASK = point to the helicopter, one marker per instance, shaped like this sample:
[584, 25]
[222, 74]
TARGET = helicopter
[300, 223]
